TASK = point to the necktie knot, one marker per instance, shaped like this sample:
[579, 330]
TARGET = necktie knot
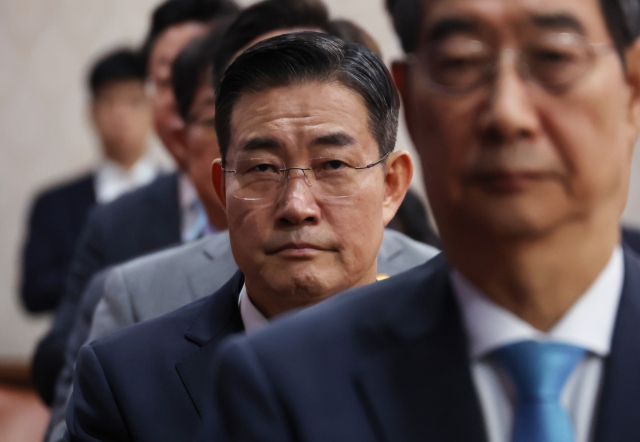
[539, 371]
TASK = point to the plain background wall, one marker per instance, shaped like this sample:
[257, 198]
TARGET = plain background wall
[45, 49]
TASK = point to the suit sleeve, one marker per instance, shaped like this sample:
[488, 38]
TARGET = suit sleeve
[244, 398]
[77, 338]
[93, 414]
[114, 311]
[49, 357]
[44, 267]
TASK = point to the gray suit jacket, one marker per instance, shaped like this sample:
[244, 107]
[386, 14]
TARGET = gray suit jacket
[159, 283]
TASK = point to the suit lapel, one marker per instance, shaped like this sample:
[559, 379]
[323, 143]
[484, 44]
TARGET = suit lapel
[219, 318]
[619, 405]
[421, 388]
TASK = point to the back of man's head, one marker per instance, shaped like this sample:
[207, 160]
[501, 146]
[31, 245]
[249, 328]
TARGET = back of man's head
[175, 12]
[622, 17]
[118, 65]
[266, 17]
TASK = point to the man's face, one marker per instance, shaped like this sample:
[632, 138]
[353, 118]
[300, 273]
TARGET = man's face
[166, 119]
[301, 244]
[512, 157]
[202, 143]
[122, 117]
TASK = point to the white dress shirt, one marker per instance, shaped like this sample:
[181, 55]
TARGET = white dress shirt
[588, 324]
[251, 317]
[111, 180]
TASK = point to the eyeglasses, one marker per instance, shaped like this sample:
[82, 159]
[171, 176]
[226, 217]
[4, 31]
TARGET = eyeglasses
[261, 179]
[461, 64]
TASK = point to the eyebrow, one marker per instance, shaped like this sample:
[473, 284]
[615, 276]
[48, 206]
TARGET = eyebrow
[451, 25]
[561, 21]
[260, 143]
[338, 139]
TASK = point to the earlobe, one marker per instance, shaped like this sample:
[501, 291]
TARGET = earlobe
[399, 172]
[217, 179]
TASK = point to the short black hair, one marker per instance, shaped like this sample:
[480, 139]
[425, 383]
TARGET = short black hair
[193, 66]
[120, 64]
[302, 57]
[350, 32]
[175, 12]
[264, 17]
[622, 18]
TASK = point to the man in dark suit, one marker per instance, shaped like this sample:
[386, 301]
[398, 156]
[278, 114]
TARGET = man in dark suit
[525, 115]
[158, 215]
[121, 115]
[299, 235]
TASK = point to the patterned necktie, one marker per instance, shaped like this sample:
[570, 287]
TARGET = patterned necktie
[199, 227]
[539, 371]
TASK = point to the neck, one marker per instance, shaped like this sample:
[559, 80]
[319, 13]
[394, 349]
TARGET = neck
[126, 162]
[536, 279]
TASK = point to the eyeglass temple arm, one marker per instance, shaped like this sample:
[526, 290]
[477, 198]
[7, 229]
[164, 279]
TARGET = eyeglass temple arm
[369, 166]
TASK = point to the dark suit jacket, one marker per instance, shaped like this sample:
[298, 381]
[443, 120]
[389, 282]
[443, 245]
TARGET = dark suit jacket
[389, 362]
[55, 223]
[142, 221]
[151, 381]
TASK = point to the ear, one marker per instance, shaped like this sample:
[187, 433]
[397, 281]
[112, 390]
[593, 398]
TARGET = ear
[398, 175]
[632, 56]
[218, 181]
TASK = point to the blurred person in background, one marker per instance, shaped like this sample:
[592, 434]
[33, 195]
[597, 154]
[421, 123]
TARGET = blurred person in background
[525, 115]
[163, 213]
[121, 117]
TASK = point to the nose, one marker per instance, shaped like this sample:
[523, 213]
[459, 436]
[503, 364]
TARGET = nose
[509, 114]
[296, 204]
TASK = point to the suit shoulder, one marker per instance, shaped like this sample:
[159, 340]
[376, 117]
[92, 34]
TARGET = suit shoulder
[127, 205]
[154, 333]
[408, 245]
[70, 189]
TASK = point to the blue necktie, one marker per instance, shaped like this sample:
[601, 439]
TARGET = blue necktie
[539, 371]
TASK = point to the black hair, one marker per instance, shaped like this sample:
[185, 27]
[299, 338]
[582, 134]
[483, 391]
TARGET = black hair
[120, 64]
[264, 17]
[307, 57]
[175, 12]
[350, 32]
[622, 18]
[193, 66]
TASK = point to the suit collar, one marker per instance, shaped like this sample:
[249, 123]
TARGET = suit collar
[417, 387]
[620, 396]
[218, 318]
[216, 244]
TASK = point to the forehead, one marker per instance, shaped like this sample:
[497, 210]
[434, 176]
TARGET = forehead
[291, 112]
[123, 86]
[508, 17]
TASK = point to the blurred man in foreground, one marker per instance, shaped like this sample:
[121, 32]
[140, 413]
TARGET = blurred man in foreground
[121, 116]
[299, 234]
[163, 213]
[525, 115]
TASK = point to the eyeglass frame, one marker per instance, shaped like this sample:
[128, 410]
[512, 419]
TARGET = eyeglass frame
[491, 69]
[285, 171]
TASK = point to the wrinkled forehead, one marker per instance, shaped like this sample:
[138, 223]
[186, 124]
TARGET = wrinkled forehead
[313, 114]
[512, 18]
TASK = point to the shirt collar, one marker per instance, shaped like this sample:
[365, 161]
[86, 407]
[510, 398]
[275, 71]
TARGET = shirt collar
[251, 317]
[588, 324]
[111, 180]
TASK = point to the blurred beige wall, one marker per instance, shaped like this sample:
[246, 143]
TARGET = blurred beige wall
[45, 48]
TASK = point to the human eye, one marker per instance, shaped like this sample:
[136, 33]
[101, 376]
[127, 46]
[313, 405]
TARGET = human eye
[258, 167]
[457, 61]
[557, 61]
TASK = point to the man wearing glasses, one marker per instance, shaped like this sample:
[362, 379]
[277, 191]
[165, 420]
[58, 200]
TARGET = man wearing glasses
[309, 181]
[525, 114]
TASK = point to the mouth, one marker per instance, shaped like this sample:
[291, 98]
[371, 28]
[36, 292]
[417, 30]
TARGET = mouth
[506, 181]
[296, 250]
